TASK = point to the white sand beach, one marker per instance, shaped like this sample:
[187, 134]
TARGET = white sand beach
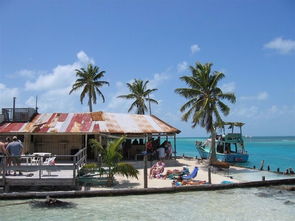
[216, 176]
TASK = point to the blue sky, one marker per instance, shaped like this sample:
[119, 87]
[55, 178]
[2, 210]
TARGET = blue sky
[251, 41]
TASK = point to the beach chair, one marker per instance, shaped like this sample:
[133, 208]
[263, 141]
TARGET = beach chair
[192, 175]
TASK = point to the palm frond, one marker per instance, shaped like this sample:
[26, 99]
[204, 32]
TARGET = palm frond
[127, 170]
[89, 79]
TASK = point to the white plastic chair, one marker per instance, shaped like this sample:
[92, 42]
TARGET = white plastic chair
[50, 161]
[35, 160]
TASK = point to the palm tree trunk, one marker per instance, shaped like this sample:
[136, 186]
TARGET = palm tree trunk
[213, 150]
[90, 103]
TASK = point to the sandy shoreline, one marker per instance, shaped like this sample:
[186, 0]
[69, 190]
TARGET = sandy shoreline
[131, 183]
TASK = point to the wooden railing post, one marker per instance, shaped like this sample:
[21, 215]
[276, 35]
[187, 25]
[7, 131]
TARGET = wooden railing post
[75, 166]
[4, 169]
[40, 170]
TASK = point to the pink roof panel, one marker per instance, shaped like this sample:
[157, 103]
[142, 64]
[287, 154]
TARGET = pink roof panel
[97, 122]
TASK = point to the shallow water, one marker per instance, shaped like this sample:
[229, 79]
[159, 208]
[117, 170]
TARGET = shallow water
[238, 204]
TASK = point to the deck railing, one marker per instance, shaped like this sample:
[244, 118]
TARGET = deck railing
[74, 163]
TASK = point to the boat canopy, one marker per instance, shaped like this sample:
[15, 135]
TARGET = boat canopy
[231, 124]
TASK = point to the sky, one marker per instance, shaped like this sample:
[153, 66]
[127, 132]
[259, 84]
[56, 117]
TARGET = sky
[252, 42]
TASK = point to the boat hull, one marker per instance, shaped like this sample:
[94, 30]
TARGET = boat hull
[230, 158]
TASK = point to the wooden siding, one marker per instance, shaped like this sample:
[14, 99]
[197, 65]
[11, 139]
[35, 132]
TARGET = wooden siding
[58, 145]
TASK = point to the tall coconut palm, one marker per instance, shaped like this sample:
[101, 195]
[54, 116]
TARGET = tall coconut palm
[140, 94]
[111, 157]
[89, 80]
[205, 100]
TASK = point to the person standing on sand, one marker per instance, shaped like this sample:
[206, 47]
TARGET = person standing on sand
[15, 149]
[169, 150]
[161, 151]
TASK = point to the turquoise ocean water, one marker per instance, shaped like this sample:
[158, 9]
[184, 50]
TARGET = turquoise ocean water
[262, 204]
[277, 152]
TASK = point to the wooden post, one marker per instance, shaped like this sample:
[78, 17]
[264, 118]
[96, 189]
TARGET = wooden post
[209, 174]
[4, 172]
[86, 136]
[40, 170]
[145, 174]
[75, 166]
[175, 146]
[261, 165]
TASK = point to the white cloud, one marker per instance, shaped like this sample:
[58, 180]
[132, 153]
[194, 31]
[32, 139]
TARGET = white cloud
[255, 112]
[182, 67]
[119, 104]
[83, 57]
[26, 73]
[157, 79]
[195, 48]
[53, 88]
[122, 105]
[228, 87]
[60, 77]
[261, 96]
[57, 100]
[274, 110]
[6, 95]
[248, 112]
[283, 46]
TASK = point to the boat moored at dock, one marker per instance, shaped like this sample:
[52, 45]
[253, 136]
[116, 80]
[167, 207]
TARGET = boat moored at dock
[229, 146]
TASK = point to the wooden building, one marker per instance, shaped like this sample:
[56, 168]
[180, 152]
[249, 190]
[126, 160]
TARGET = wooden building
[66, 133]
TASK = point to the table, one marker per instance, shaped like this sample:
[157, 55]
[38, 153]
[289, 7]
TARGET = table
[41, 155]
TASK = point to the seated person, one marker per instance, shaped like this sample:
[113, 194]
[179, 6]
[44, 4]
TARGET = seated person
[135, 142]
[157, 169]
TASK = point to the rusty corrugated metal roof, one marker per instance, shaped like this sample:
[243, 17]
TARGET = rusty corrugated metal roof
[96, 122]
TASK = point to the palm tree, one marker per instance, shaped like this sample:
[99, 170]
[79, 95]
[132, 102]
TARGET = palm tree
[111, 157]
[205, 100]
[89, 80]
[140, 94]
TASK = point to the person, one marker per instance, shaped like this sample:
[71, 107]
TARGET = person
[157, 169]
[150, 148]
[135, 142]
[156, 143]
[169, 150]
[2, 153]
[15, 149]
[161, 152]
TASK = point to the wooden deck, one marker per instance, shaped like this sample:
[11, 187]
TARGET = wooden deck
[62, 174]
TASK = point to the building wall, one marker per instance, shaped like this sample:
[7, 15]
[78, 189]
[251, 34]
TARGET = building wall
[57, 144]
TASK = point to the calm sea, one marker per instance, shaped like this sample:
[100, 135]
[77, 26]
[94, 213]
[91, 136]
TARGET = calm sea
[253, 204]
[277, 152]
